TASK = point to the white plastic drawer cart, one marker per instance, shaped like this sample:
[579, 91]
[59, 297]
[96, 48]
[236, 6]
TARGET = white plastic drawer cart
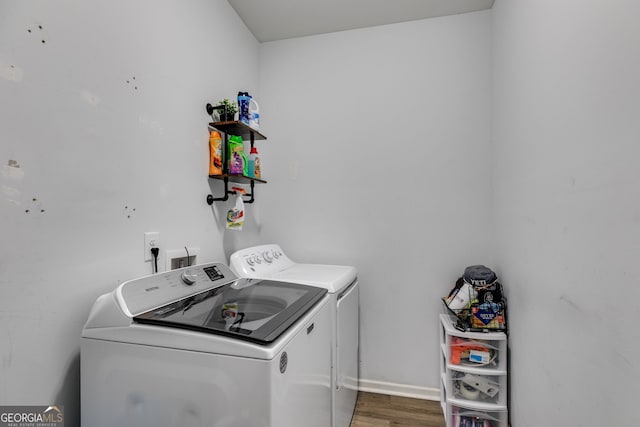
[473, 376]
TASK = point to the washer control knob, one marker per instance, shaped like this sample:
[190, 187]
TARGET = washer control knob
[250, 261]
[258, 259]
[276, 255]
[267, 257]
[189, 277]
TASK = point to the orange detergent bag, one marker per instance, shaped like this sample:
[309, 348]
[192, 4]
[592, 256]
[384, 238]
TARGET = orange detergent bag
[215, 153]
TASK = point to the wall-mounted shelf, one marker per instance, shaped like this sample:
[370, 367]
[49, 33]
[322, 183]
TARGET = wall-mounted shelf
[241, 129]
[238, 128]
[240, 179]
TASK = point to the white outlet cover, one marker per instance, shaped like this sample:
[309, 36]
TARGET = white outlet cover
[151, 239]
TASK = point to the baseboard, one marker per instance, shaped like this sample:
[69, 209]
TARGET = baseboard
[395, 389]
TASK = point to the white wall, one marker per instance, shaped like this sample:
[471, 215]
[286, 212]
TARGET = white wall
[566, 132]
[378, 157]
[395, 181]
[100, 163]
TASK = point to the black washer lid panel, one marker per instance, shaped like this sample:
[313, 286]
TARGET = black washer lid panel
[250, 310]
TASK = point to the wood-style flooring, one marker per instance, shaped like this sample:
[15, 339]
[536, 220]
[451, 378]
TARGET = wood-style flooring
[381, 410]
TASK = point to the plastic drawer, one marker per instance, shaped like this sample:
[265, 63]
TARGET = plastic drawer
[473, 387]
[459, 416]
[487, 354]
[483, 350]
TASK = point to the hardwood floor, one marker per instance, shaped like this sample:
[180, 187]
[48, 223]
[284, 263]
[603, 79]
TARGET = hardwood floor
[381, 410]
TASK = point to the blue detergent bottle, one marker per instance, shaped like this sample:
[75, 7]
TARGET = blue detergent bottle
[244, 101]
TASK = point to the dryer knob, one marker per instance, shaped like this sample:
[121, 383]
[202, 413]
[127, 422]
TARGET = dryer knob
[189, 277]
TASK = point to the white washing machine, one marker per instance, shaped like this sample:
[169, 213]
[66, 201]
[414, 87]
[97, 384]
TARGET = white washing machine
[270, 262]
[200, 347]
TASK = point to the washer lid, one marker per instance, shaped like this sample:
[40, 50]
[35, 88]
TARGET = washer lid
[333, 278]
[253, 310]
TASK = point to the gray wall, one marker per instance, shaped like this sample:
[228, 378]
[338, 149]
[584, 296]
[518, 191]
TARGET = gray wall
[506, 137]
[567, 212]
[369, 163]
[380, 158]
[97, 163]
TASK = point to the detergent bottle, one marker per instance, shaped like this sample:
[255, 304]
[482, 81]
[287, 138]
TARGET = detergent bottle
[254, 114]
[244, 99]
[254, 163]
[237, 158]
[215, 153]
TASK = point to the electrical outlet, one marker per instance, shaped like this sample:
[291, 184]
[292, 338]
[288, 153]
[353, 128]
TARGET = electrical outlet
[151, 240]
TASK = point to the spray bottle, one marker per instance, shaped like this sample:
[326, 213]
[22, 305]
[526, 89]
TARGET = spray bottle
[254, 163]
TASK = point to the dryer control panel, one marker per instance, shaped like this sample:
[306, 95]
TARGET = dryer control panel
[143, 294]
[260, 261]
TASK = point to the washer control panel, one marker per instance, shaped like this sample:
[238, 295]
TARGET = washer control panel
[146, 293]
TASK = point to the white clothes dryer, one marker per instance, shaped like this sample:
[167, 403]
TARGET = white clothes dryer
[270, 262]
[201, 347]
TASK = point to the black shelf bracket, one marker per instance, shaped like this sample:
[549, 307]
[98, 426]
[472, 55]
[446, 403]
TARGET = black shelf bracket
[211, 109]
[227, 193]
